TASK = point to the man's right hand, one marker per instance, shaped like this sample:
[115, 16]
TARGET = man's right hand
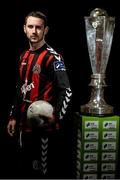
[11, 127]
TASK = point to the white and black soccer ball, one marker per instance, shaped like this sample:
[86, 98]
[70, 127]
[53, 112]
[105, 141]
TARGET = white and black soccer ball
[39, 112]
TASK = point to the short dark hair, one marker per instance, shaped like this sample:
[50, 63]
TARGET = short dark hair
[37, 14]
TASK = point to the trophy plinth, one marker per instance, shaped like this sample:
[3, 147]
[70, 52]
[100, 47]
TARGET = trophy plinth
[97, 104]
[99, 32]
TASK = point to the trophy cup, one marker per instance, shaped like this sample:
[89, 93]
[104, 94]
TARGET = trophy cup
[99, 33]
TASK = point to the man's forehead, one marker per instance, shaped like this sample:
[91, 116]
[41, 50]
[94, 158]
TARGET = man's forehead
[32, 19]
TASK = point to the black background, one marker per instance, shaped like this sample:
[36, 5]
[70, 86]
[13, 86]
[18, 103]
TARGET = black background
[67, 36]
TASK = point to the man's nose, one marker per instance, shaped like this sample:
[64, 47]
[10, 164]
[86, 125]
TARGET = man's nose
[34, 29]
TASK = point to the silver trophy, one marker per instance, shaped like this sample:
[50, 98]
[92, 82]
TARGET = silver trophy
[99, 33]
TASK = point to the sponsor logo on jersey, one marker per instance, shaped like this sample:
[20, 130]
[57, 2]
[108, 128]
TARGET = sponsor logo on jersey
[26, 87]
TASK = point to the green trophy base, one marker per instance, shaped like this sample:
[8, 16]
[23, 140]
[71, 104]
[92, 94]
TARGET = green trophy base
[96, 147]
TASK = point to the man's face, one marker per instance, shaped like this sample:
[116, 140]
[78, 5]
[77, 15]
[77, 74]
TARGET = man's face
[34, 29]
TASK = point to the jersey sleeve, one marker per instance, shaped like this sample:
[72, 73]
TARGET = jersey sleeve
[15, 107]
[57, 71]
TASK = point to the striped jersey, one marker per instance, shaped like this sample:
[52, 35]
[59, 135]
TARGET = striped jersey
[42, 76]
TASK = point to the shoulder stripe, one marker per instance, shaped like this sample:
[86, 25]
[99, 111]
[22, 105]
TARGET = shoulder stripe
[49, 60]
[23, 57]
[41, 56]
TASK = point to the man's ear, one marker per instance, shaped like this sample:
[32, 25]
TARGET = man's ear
[24, 29]
[46, 30]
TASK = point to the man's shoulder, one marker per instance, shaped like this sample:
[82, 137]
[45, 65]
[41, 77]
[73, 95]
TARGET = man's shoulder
[54, 53]
[23, 53]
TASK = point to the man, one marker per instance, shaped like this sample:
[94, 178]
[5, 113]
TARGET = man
[42, 76]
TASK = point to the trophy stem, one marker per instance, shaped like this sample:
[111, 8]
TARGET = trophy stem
[97, 105]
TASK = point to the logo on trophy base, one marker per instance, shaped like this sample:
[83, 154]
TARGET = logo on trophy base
[99, 33]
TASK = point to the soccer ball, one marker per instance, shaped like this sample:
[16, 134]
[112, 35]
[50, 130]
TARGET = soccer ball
[39, 112]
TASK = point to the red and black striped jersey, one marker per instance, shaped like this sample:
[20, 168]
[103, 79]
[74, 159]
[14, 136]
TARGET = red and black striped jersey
[42, 76]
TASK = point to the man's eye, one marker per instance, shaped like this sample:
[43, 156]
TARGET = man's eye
[39, 27]
[36, 27]
[30, 26]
